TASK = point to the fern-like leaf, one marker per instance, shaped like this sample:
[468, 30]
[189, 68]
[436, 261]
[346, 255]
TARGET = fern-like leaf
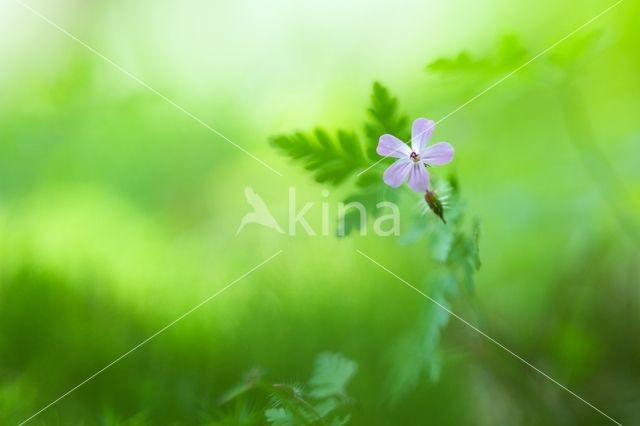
[509, 54]
[280, 417]
[331, 160]
[331, 375]
[384, 117]
[324, 403]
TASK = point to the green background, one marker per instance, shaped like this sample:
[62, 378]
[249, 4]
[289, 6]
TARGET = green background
[118, 212]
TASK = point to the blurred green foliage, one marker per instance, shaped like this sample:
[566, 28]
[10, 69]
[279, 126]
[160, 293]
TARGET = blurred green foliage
[118, 213]
[453, 250]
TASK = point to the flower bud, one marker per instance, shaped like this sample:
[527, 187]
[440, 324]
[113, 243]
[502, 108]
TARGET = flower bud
[434, 204]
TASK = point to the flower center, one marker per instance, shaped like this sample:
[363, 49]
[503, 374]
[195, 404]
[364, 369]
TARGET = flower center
[414, 157]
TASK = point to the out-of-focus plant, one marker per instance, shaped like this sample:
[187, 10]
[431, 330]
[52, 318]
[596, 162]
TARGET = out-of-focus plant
[558, 72]
[323, 401]
[451, 248]
[337, 160]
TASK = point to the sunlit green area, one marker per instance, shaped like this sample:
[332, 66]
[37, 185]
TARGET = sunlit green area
[122, 187]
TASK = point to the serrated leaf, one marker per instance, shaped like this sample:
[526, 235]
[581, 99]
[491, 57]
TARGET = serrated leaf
[331, 160]
[384, 117]
[331, 374]
[457, 65]
[509, 54]
[280, 417]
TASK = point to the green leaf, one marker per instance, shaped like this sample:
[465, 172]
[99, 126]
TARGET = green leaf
[383, 118]
[464, 257]
[332, 160]
[509, 54]
[331, 375]
[440, 241]
[291, 404]
[280, 417]
[324, 403]
[457, 65]
[416, 354]
[341, 421]
[407, 363]
[327, 406]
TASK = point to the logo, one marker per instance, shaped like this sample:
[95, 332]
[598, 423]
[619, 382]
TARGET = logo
[386, 216]
[260, 215]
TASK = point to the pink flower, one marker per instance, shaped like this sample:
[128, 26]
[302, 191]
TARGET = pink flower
[412, 161]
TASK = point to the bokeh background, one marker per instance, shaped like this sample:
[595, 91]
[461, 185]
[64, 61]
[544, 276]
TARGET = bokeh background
[118, 212]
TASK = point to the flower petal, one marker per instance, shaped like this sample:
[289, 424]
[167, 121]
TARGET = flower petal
[390, 146]
[440, 153]
[397, 172]
[420, 133]
[418, 178]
